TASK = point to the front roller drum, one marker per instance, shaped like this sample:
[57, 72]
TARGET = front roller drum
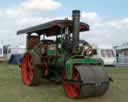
[87, 81]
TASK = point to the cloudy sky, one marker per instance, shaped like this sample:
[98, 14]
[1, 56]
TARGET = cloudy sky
[108, 19]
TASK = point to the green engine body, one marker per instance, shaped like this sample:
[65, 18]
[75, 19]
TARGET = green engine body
[66, 59]
[58, 60]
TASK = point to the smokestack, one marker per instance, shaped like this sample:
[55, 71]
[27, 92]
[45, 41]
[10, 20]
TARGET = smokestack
[76, 27]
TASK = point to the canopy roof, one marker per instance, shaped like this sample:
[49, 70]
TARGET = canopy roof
[53, 28]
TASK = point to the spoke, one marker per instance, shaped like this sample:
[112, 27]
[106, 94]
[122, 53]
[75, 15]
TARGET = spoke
[76, 77]
[76, 88]
[30, 66]
[72, 90]
[46, 72]
[30, 73]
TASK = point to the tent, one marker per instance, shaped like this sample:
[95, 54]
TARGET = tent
[15, 54]
[15, 59]
[15, 50]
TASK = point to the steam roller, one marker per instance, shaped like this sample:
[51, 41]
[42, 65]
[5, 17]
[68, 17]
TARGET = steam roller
[67, 58]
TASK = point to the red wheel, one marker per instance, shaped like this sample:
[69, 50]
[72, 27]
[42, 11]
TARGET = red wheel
[27, 69]
[30, 74]
[72, 89]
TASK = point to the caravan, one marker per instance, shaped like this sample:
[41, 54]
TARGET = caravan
[1, 52]
[106, 53]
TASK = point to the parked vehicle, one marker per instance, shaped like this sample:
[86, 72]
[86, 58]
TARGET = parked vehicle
[1, 52]
[63, 60]
[106, 52]
[122, 54]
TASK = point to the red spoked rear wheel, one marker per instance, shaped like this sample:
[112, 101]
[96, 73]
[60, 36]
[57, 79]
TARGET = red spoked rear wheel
[72, 89]
[27, 69]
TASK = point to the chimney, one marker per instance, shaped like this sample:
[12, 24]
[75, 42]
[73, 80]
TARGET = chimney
[76, 27]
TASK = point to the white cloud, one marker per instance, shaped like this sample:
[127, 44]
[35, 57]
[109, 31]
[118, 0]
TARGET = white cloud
[105, 31]
[9, 26]
[18, 17]
[0, 12]
[92, 17]
[101, 30]
[29, 21]
[118, 24]
[29, 6]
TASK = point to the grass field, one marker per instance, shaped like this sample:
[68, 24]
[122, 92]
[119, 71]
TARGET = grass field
[12, 88]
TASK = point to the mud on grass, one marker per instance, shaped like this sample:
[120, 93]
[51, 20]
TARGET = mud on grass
[12, 88]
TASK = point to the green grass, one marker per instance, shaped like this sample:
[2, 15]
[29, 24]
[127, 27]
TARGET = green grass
[12, 88]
